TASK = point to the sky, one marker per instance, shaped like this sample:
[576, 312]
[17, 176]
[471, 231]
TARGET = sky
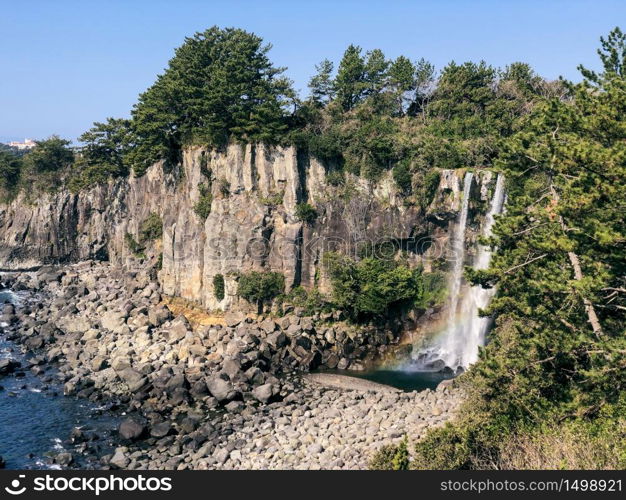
[66, 64]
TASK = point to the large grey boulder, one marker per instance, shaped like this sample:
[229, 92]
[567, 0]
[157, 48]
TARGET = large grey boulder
[119, 458]
[161, 429]
[268, 325]
[178, 329]
[131, 429]
[8, 309]
[277, 340]
[114, 321]
[133, 379]
[219, 388]
[159, 315]
[263, 393]
[234, 318]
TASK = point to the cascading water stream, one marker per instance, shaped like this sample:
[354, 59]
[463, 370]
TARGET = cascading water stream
[477, 297]
[457, 346]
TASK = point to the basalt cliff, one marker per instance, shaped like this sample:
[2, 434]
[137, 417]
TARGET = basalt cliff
[252, 223]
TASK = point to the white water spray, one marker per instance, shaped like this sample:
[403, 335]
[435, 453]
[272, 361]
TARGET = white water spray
[457, 347]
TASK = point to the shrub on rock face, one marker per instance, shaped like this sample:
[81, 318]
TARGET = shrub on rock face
[260, 287]
[202, 208]
[151, 228]
[218, 286]
[372, 286]
[402, 176]
[312, 301]
[224, 187]
[132, 244]
[306, 213]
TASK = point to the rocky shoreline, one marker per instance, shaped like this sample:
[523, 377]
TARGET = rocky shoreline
[227, 395]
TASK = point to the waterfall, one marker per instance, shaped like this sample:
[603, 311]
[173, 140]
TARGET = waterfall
[473, 327]
[457, 346]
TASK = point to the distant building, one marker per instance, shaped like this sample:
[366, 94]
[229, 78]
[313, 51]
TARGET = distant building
[27, 144]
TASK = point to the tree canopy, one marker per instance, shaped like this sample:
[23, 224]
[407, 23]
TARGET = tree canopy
[10, 167]
[219, 86]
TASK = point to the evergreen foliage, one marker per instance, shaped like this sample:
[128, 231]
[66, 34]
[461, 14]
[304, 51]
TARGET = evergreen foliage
[372, 287]
[218, 286]
[202, 207]
[259, 287]
[45, 166]
[558, 353]
[219, 86]
[10, 168]
[105, 153]
[151, 228]
[306, 213]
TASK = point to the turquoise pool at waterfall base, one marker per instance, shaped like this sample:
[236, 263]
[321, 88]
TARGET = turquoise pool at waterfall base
[401, 379]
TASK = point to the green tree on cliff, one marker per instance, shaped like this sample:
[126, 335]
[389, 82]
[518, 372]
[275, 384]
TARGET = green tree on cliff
[219, 86]
[10, 167]
[350, 84]
[106, 145]
[45, 167]
[49, 155]
[321, 84]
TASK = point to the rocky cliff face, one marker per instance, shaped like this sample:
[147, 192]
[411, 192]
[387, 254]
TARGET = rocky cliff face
[252, 224]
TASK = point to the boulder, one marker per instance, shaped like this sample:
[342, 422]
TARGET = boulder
[120, 363]
[8, 319]
[159, 315]
[34, 342]
[231, 367]
[8, 366]
[219, 388]
[307, 325]
[161, 429]
[199, 389]
[188, 425]
[99, 363]
[133, 379]
[304, 342]
[114, 321]
[64, 459]
[119, 458]
[284, 322]
[254, 375]
[263, 393]
[277, 340]
[178, 329]
[177, 381]
[8, 309]
[76, 324]
[131, 429]
[234, 318]
[294, 330]
[268, 325]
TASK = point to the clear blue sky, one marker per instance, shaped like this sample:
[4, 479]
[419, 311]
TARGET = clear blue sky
[68, 63]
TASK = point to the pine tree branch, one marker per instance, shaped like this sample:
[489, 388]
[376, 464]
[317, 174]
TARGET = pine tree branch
[529, 261]
[528, 229]
[578, 274]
